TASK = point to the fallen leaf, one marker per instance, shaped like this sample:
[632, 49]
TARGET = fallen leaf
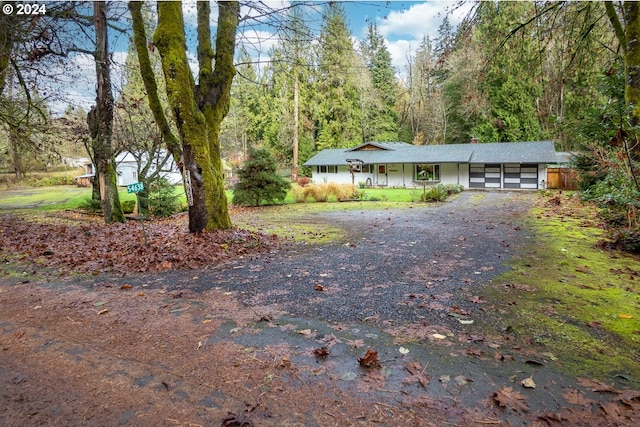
[106, 310]
[439, 336]
[625, 316]
[458, 310]
[321, 352]
[370, 359]
[233, 420]
[403, 350]
[474, 352]
[506, 396]
[305, 332]
[597, 386]
[126, 287]
[528, 382]
[462, 380]
[318, 288]
[355, 343]
[583, 269]
[575, 397]
[284, 363]
[417, 374]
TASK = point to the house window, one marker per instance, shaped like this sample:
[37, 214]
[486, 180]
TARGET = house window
[427, 172]
[134, 175]
[366, 169]
[328, 169]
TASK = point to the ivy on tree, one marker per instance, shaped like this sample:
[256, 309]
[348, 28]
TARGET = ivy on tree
[259, 182]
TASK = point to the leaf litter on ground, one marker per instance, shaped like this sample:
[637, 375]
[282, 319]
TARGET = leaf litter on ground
[91, 246]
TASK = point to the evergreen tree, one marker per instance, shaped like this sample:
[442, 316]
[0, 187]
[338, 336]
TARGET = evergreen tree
[380, 116]
[338, 118]
[259, 182]
[510, 84]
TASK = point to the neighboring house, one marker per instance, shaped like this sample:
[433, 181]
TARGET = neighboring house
[86, 180]
[473, 165]
[127, 168]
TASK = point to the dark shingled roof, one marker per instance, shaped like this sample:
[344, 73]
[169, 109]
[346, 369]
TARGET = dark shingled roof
[400, 152]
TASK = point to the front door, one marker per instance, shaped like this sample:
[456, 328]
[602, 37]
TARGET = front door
[382, 175]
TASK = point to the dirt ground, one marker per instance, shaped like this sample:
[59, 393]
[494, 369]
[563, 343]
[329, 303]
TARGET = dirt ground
[374, 330]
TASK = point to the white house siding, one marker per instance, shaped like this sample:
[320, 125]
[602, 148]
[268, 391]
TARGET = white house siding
[449, 173]
[394, 176]
[127, 173]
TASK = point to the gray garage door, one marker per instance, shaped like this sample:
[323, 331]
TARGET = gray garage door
[518, 175]
[485, 175]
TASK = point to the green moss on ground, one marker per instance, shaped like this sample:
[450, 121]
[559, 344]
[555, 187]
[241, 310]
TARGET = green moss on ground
[577, 303]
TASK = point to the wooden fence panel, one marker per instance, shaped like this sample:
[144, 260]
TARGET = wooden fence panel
[562, 179]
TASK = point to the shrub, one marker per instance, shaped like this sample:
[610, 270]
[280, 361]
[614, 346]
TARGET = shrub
[437, 193]
[320, 193]
[299, 195]
[616, 196]
[128, 206]
[303, 181]
[454, 189]
[259, 182]
[91, 205]
[162, 199]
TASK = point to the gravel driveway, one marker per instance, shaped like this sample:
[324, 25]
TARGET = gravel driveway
[394, 265]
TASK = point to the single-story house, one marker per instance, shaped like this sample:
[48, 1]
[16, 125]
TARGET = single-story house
[472, 165]
[127, 168]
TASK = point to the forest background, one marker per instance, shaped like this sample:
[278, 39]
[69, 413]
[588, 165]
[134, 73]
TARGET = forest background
[510, 71]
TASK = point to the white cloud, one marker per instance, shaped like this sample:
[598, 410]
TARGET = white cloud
[422, 19]
[400, 50]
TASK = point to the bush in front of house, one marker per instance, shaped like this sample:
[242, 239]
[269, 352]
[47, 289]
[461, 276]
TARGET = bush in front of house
[303, 181]
[322, 192]
[437, 193]
[259, 182]
[454, 189]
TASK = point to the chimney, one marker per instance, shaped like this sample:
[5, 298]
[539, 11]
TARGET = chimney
[474, 140]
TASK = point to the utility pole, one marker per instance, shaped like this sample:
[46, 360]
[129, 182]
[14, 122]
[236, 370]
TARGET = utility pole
[294, 169]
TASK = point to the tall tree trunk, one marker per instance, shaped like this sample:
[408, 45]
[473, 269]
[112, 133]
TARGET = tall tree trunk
[296, 89]
[632, 59]
[100, 121]
[14, 141]
[199, 111]
[170, 41]
[214, 96]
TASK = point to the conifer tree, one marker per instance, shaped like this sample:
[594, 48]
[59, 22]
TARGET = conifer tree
[380, 117]
[338, 117]
[259, 182]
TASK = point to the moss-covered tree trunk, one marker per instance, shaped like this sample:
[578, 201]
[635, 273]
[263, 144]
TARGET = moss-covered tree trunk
[214, 94]
[170, 41]
[100, 121]
[198, 111]
[632, 59]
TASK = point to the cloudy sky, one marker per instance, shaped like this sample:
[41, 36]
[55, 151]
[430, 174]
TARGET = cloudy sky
[402, 23]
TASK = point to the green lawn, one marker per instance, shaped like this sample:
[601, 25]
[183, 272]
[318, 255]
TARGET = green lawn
[72, 197]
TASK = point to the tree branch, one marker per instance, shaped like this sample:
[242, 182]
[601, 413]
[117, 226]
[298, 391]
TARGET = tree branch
[146, 72]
